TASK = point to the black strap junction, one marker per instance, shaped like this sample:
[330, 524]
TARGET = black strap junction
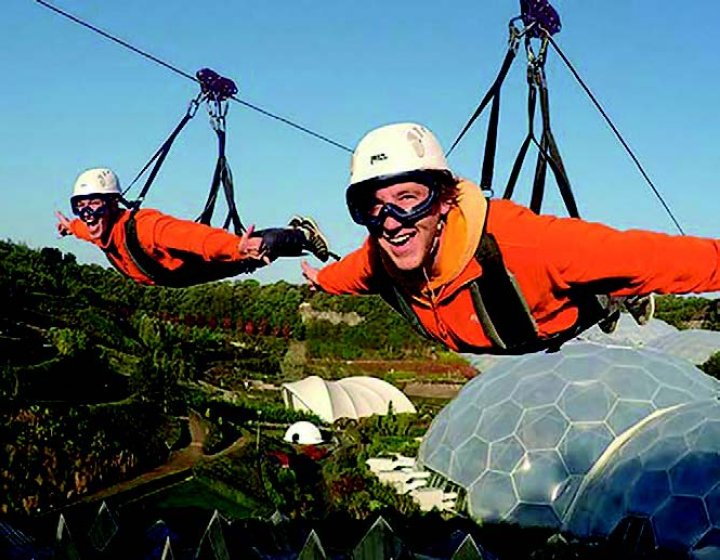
[159, 156]
[493, 94]
[548, 152]
[215, 90]
[541, 21]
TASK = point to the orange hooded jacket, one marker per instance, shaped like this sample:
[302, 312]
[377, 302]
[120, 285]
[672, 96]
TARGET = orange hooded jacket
[547, 255]
[170, 241]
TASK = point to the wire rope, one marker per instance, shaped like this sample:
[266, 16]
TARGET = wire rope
[184, 74]
[619, 136]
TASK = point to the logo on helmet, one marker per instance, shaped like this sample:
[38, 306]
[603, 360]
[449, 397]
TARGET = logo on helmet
[414, 136]
[377, 157]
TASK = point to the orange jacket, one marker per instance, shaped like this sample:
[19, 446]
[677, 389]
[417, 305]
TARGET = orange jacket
[547, 255]
[169, 240]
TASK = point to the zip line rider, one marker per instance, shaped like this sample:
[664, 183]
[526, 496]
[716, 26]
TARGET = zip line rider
[153, 248]
[491, 276]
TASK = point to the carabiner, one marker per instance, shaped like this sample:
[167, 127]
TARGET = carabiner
[194, 105]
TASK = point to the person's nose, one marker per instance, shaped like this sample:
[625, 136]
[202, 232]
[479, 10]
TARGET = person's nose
[390, 224]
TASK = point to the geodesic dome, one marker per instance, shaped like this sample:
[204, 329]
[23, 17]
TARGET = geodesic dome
[695, 345]
[351, 397]
[519, 438]
[304, 433]
[664, 478]
[628, 332]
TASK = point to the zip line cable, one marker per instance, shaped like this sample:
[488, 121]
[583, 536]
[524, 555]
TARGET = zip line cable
[619, 136]
[332, 142]
[184, 74]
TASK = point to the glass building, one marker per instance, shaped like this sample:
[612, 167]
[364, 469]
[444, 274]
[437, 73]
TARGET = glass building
[663, 480]
[518, 440]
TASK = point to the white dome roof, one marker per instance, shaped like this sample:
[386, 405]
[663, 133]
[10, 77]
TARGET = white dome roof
[352, 397]
[304, 433]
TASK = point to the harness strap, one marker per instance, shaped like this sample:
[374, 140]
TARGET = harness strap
[398, 301]
[549, 155]
[159, 156]
[502, 311]
[530, 137]
[222, 176]
[493, 94]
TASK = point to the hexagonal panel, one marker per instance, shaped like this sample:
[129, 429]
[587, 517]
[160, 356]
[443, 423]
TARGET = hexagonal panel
[664, 474]
[557, 413]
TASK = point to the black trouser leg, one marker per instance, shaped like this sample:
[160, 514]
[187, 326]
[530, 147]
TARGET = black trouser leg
[281, 242]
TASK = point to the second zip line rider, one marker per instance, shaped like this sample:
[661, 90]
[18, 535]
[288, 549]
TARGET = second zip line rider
[153, 248]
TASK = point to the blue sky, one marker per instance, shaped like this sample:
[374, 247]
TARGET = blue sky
[72, 100]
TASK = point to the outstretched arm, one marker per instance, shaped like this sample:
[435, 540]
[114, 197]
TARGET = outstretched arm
[632, 262]
[161, 231]
[353, 274]
[65, 226]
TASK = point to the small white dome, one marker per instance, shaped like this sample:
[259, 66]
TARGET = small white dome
[303, 433]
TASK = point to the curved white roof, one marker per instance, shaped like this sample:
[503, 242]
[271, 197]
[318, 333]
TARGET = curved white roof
[352, 397]
[304, 433]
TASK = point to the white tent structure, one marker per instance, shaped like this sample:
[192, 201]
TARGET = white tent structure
[351, 397]
[303, 433]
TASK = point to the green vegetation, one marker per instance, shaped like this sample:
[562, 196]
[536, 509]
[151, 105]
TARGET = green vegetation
[689, 312]
[73, 337]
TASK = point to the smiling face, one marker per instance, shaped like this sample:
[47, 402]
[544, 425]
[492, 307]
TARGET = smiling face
[407, 245]
[98, 214]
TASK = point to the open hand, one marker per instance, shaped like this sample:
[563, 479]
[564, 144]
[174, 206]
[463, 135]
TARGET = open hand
[311, 275]
[63, 224]
[251, 247]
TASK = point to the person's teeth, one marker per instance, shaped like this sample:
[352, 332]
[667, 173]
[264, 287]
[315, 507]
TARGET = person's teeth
[399, 240]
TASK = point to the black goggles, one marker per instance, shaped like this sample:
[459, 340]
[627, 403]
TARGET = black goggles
[87, 213]
[360, 203]
[406, 217]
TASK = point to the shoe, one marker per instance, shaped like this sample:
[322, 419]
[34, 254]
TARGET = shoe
[315, 241]
[642, 308]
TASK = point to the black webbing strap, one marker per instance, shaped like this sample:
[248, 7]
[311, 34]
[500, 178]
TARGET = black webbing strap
[222, 176]
[501, 309]
[398, 301]
[549, 155]
[493, 94]
[548, 152]
[159, 156]
[530, 137]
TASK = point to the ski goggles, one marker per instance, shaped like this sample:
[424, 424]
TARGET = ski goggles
[89, 213]
[406, 216]
[362, 206]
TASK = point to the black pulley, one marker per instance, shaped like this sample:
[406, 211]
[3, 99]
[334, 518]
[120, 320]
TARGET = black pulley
[539, 17]
[214, 85]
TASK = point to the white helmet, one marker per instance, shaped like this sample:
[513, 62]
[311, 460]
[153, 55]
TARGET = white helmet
[396, 149]
[97, 181]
